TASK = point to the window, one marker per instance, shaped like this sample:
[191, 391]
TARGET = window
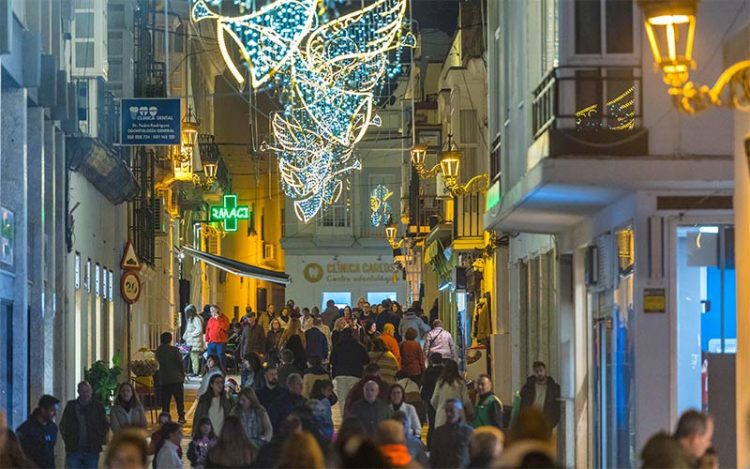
[84, 25]
[104, 283]
[77, 270]
[340, 299]
[97, 283]
[114, 44]
[375, 298]
[88, 276]
[85, 54]
[338, 214]
[83, 100]
[604, 26]
[111, 282]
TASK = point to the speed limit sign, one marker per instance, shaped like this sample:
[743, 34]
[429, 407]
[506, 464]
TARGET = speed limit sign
[130, 287]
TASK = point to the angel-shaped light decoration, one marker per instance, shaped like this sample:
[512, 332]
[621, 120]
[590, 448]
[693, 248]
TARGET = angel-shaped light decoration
[380, 209]
[331, 70]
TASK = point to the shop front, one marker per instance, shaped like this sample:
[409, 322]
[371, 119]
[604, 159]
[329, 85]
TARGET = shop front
[343, 279]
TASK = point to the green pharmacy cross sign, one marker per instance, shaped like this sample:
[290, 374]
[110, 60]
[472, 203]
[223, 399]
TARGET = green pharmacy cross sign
[230, 212]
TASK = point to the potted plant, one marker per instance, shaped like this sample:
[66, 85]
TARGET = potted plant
[146, 367]
[104, 380]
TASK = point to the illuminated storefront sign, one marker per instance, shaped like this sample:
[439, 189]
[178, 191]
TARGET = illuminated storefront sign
[230, 213]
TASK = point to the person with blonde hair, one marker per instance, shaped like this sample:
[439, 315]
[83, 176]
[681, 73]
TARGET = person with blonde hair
[293, 338]
[253, 417]
[301, 450]
[485, 446]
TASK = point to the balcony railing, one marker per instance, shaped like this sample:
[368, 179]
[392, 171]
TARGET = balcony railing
[588, 99]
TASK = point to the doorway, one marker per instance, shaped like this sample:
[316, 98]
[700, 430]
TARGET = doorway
[706, 326]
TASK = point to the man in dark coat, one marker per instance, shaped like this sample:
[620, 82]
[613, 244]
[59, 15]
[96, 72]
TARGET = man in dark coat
[331, 314]
[348, 360]
[84, 428]
[450, 443]
[171, 376]
[38, 434]
[429, 381]
[542, 392]
[270, 389]
[253, 336]
[357, 393]
[291, 398]
[371, 410]
[316, 341]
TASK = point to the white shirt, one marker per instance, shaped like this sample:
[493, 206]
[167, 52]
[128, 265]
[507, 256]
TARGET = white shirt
[216, 414]
[168, 457]
[540, 395]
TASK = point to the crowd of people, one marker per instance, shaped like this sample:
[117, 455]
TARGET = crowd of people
[391, 374]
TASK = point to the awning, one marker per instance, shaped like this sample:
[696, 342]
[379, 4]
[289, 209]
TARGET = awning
[238, 268]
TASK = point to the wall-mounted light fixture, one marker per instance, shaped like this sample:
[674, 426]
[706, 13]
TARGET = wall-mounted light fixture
[450, 169]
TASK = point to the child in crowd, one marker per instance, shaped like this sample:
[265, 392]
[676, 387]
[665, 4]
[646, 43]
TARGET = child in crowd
[204, 440]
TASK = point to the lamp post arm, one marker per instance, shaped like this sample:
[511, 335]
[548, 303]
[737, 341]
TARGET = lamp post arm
[428, 173]
[477, 184]
[735, 79]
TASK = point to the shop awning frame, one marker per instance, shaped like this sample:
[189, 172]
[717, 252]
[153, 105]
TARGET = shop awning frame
[238, 268]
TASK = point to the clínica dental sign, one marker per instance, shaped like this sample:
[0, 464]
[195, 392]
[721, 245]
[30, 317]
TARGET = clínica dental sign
[349, 272]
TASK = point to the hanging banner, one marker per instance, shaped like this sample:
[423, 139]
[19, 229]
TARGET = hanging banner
[150, 121]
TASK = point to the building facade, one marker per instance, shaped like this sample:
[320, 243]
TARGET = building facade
[618, 213]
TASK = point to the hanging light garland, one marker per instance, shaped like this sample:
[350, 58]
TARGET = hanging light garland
[327, 69]
[380, 209]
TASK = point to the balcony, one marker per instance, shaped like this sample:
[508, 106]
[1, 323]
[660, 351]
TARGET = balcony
[588, 111]
[468, 222]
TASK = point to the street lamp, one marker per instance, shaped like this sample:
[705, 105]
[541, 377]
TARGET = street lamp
[391, 231]
[450, 168]
[190, 127]
[670, 27]
[209, 154]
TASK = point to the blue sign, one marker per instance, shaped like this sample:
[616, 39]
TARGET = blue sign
[151, 121]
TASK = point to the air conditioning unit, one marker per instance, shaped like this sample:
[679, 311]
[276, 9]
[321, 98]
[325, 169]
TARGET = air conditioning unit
[269, 251]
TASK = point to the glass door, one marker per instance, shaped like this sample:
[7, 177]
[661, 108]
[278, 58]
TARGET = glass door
[706, 310]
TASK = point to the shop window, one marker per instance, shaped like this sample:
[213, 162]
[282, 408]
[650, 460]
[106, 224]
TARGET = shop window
[375, 298]
[340, 299]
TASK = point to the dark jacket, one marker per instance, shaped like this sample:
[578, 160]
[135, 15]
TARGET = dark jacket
[357, 392]
[171, 367]
[317, 344]
[551, 399]
[370, 414]
[300, 355]
[97, 426]
[267, 396]
[329, 316]
[387, 317]
[429, 381]
[348, 358]
[450, 445]
[38, 441]
[282, 407]
[204, 405]
[253, 339]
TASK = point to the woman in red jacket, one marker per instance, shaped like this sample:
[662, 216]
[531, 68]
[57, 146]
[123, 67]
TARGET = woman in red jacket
[412, 357]
[217, 334]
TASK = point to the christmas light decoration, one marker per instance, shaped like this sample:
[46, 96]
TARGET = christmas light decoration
[380, 209]
[327, 72]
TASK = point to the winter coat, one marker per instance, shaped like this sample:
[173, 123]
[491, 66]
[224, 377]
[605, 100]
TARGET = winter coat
[38, 441]
[370, 414]
[348, 358]
[429, 381]
[387, 363]
[253, 339]
[413, 425]
[204, 405]
[97, 426]
[392, 345]
[329, 316]
[119, 417]
[300, 355]
[217, 330]
[489, 411]
[357, 392]
[262, 430]
[317, 343]
[193, 335]
[412, 321]
[283, 406]
[272, 340]
[450, 445]
[171, 366]
[440, 341]
[551, 399]
[444, 392]
[412, 358]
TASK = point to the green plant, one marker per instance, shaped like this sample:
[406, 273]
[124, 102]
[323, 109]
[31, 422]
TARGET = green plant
[104, 379]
